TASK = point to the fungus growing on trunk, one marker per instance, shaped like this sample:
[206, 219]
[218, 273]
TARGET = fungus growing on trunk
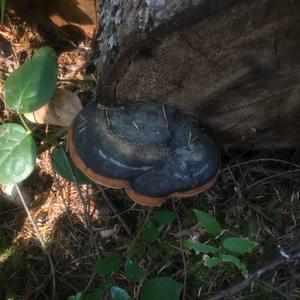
[151, 150]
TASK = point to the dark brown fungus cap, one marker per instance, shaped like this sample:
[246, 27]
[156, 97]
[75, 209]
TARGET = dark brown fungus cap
[149, 149]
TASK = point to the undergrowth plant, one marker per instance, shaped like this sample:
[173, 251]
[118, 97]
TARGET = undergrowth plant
[162, 287]
[228, 248]
[30, 87]
[27, 89]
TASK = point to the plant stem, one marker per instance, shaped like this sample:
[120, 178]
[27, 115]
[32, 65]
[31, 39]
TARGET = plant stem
[23, 122]
[132, 244]
[40, 238]
[182, 251]
[114, 210]
[294, 256]
[84, 203]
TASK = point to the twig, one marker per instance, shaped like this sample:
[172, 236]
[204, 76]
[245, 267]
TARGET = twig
[92, 277]
[40, 238]
[165, 116]
[107, 117]
[82, 129]
[140, 230]
[56, 183]
[138, 289]
[85, 212]
[23, 122]
[189, 140]
[83, 201]
[279, 292]
[135, 125]
[258, 182]
[280, 260]
[182, 251]
[261, 160]
[147, 271]
[113, 208]
[51, 140]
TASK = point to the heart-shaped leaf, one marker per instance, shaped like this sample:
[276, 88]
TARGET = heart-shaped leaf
[62, 163]
[133, 271]
[163, 217]
[33, 84]
[117, 293]
[17, 153]
[150, 233]
[208, 222]
[239, 245]
[161, 288]
[108, 265]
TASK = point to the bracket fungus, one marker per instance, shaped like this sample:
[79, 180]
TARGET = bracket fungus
[151, 150]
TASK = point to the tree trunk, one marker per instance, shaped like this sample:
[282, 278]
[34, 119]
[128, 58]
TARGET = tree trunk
[233, 65]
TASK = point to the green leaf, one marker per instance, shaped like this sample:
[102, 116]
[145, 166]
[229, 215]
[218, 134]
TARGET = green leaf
[78, 296]
[239, 245]
[33, 84]
[234, 260]
[133, 271]
[208, 222]
[150, 233]
[161, 288]
[211, 262]
[2, 9]
[199, 247]
[62, 166]
[17, 153]
[108, 265]
[96, 294]
[163, 217]
[117, 293]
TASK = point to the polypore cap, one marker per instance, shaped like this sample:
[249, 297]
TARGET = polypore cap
[149, 149]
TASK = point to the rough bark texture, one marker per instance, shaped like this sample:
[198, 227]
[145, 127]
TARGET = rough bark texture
[127, 27]
[234, 65]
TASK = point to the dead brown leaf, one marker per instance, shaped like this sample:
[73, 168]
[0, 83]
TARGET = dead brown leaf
[60, 111]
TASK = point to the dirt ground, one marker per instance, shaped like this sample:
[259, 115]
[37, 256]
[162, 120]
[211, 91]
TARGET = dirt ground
[256, 195]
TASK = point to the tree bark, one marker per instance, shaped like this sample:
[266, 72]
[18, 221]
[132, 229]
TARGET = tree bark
[233, 65]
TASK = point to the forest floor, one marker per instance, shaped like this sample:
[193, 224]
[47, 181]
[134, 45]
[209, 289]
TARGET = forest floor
[256, 196]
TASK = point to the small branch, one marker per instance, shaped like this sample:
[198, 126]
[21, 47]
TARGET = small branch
[83, 201]
[140, 230]
[182, 251]
[40, 238]
[279, 261]
[276, 290]
[260, 160]
[92, 277]
[58, 187]
[23, 122]
[113, 208]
